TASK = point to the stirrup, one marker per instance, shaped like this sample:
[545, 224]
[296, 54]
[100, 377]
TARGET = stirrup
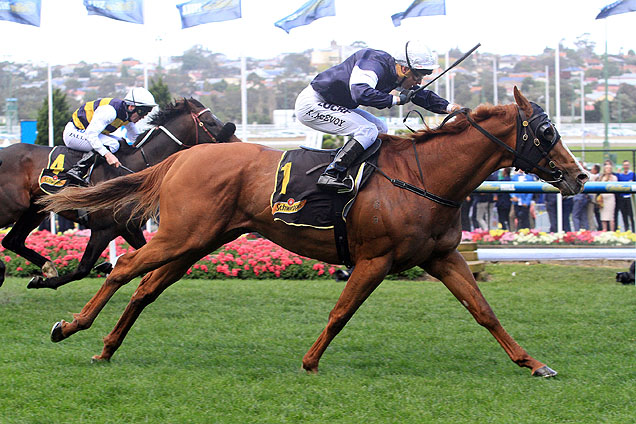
[73, 177]
[330, 183]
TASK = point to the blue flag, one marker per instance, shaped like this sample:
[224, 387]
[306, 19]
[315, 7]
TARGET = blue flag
[197, 12]
[121, 10]
[21, 11]
[616, 8]
[420, 8]
[308, 12]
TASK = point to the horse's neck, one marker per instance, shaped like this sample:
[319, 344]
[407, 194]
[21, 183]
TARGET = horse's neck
[458, 164]
[155, 150]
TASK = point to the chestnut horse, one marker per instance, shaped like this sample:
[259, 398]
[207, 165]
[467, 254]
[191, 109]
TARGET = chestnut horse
[177, 127]
[390, 229]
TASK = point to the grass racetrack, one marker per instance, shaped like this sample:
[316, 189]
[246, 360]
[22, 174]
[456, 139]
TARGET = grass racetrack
[230, 352]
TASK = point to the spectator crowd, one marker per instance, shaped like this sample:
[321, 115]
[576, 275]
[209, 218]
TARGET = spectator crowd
[588, 211]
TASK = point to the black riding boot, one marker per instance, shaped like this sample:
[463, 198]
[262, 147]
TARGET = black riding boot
[331, 179]
[79, 172]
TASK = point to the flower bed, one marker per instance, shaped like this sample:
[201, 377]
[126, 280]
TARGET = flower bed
[534, 237]
[257, 258]
[246, 257]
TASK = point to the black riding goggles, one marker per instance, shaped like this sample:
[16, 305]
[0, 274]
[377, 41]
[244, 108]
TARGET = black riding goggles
[142, 110]
[421, 73]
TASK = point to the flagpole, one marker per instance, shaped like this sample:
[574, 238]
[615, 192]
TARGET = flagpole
[605, 107]
[243, 94]
[447, 59]
[494, 81]
[51, 141]
[547, 90]
[557, 84]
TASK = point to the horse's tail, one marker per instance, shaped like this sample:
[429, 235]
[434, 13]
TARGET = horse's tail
[140, 189]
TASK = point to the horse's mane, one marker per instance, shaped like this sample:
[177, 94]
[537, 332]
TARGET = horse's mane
[455, 126]
[172, 110]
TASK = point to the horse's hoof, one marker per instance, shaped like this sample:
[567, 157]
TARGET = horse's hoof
[56, 332]
[36, 282]
[545, 372]
[97, 359]
[104, 267]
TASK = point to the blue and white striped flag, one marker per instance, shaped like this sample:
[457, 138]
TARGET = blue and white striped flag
[197, 12]
[308, 12]
[420, 8]
[121, 10]
[21, 11]
[616, 8]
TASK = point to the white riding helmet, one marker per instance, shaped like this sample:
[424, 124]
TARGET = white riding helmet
[139, 96]
[416, 55]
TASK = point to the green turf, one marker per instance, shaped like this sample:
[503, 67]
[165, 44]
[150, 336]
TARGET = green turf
[230, 352]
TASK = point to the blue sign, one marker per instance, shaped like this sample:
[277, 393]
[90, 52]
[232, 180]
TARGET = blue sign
[28, 131]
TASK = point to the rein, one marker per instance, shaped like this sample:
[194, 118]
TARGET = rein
[532, 125]
[197, 122]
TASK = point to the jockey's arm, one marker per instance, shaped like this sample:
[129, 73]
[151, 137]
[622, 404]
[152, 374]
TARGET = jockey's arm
[431, 101]
[102, 116]
[131, 132]
[362, 84]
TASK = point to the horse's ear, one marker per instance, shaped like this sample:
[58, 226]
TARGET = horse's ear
[523, 103]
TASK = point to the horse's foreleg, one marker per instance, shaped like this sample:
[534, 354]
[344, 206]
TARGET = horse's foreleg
[454, 272]
[2, 271]
[150, 287]
[121, 274]
[366, 276]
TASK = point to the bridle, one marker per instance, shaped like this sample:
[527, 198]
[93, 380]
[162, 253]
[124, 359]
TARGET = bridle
[526, 155]
[196, 117]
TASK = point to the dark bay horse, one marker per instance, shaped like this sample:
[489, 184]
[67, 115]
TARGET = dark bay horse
[390, 229]
[180, 125]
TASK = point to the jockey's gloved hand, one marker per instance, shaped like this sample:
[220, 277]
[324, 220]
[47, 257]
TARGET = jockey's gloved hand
[406, 96]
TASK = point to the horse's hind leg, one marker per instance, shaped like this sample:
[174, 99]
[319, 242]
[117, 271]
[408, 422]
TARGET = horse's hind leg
[366, 276]
[151, 286]
[160, 250]
[96, 245]
[454, 272]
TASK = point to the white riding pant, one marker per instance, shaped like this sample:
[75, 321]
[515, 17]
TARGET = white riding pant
[313, 111]
[74, 138]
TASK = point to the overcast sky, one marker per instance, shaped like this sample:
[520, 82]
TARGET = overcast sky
[68, 35]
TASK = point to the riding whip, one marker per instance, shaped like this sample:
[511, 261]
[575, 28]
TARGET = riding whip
[457, 62]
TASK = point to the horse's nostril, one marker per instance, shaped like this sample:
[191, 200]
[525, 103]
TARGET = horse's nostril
[582, 178]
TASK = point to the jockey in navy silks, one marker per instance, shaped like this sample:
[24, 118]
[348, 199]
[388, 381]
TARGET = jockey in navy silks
[330, 102]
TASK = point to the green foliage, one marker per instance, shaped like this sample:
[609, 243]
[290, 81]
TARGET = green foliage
[330, 141]
[160, 91]
[61, 116]
[230, 352]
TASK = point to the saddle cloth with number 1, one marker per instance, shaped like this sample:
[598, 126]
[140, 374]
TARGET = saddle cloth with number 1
[297, 200]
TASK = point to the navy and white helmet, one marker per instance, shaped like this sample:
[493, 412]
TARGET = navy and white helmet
[416, 55]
